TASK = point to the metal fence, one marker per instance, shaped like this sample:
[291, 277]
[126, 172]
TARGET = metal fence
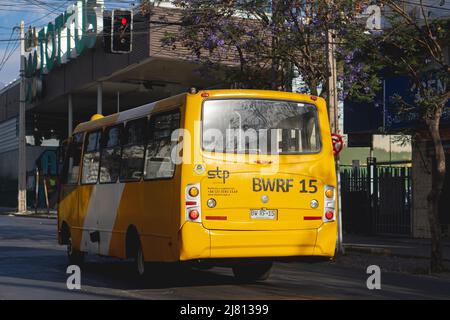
[377, 199]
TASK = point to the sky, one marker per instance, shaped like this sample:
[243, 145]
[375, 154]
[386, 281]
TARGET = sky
[38, 13]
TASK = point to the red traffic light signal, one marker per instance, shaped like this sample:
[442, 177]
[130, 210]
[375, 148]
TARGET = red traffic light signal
[121, 31]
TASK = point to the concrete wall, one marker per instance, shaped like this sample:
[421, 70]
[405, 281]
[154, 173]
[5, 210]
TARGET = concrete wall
[9, 139]
[9, 101]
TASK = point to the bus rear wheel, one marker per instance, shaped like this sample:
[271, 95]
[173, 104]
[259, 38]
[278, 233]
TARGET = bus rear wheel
[139, 261]
[75, 257]
[252, 271]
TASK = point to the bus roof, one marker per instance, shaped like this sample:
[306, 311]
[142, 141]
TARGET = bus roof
[129, 114]
[160, 105]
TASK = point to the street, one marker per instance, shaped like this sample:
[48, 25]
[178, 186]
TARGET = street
[33, 266]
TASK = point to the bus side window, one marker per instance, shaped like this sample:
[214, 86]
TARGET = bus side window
[111, 155]
[72, 160]
[91, 158]
[133, 150]
[158, 162]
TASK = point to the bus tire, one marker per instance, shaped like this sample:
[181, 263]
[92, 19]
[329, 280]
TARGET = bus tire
[139, 261]
[252, 271]
[74, 256]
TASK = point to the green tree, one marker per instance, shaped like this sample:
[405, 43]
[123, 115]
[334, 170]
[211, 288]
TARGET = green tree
[412, 44]
[267, 40]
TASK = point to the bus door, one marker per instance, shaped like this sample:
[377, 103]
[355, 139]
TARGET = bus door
[69, 193]
[89, 205]
[160, 173]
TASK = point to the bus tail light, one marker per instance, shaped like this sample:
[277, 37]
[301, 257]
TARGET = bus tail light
[192, 203]
[329, 204]
[193, 214]
[329, 215]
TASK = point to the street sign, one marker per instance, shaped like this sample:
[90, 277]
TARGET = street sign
[401, 86]
[338, 143]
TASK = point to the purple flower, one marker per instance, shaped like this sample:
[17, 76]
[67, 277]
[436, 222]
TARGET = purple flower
[357, 68]
[342, 96]
[349, 57]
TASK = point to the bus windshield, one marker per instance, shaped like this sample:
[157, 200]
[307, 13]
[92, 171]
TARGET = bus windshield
[260, 127]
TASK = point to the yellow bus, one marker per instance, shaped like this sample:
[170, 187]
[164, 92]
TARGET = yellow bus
[239, 177]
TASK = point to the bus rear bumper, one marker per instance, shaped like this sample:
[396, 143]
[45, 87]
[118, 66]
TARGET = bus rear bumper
[200, 243]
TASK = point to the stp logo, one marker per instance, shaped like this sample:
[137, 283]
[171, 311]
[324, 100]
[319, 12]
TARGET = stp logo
[338, 143]
[221, 174]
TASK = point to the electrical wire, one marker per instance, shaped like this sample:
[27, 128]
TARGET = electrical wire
[9, 56]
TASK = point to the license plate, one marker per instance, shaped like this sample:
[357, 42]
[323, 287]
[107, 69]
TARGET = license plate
[263, 214]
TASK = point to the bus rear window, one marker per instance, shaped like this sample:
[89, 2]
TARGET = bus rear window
[260, 127]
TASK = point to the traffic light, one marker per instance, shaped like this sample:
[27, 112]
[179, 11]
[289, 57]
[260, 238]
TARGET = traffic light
[122, 31]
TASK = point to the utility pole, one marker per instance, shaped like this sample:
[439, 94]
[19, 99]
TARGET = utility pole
[22, 166]
[118, 101]
[333, 114]
[332, 83]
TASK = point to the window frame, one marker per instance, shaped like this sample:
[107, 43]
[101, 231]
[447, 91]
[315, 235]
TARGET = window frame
[175, 110]
[86, 134]
[69, 145]
[102, 148]
[122, 145]
[319, 128]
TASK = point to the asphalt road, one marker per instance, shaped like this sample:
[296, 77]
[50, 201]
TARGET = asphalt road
[33, 266]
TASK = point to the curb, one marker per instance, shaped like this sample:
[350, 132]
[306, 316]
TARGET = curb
[29, 215]
[384, 252]
[379, 251]
[36, 216]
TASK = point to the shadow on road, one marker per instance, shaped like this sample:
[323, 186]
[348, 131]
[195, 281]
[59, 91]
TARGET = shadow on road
[47, 264]
[119, 274]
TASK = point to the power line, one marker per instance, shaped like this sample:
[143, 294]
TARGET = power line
[45, 16]
[5, 54]
[9, 56]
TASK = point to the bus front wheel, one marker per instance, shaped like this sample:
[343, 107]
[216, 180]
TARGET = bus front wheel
[252, 271]
[75, 257]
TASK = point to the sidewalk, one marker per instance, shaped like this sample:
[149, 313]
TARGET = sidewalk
[42, 213]
[393, 246]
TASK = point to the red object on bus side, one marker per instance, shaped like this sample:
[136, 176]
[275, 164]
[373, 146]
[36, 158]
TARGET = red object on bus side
[338, 143]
